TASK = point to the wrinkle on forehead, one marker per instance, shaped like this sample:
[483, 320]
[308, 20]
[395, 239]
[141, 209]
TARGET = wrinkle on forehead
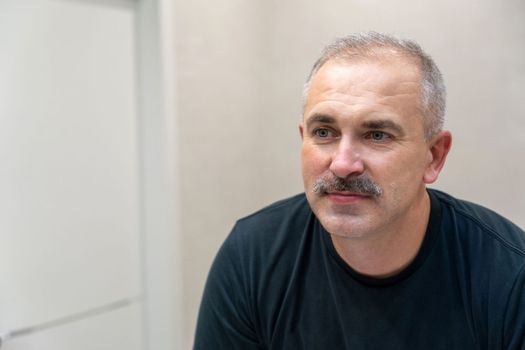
[368, 82]
[374, 76]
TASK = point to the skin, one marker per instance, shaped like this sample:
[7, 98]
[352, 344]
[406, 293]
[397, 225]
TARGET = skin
[363, 118]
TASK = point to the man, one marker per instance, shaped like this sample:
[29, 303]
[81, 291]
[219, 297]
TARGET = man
[368, 257]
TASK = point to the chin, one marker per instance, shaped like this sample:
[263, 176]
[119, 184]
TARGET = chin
[348, 227]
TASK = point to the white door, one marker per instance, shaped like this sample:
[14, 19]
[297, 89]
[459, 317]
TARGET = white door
[69, 176]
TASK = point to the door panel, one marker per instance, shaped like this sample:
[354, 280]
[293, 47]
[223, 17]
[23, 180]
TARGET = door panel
[69, 182]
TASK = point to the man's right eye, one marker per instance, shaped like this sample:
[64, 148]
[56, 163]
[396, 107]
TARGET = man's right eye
[322, 133]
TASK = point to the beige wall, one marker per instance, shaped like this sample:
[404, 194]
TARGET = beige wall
[241, 65]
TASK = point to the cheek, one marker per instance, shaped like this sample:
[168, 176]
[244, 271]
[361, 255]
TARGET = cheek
[313, 161]
[410, 174]
[399, 171]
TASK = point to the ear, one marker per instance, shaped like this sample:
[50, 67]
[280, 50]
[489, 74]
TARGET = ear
[301, 130]
[437, 154]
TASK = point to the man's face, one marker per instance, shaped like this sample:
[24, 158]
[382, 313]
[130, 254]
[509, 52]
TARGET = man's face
[362, 123]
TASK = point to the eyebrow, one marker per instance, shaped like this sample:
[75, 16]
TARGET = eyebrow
[320, 118]
[383, 124]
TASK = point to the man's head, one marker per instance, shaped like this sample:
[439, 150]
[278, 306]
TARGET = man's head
[372, 134]
[377, 46]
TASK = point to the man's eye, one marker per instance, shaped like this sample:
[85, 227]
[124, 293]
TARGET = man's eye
[378, 135]
[322, 133]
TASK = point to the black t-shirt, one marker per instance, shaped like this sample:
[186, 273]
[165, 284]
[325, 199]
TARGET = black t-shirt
[278, 283]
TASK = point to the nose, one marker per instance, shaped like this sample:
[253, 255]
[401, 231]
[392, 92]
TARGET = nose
[346, 161]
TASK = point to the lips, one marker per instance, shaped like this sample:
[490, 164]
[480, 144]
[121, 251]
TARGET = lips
[346, 197]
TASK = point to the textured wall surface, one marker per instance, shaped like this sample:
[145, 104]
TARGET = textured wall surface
[241, 66]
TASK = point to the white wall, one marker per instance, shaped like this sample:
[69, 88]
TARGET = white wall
[218, 92]
[241, 68]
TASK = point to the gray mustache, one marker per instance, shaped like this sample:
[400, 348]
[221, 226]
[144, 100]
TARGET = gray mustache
[362, 184]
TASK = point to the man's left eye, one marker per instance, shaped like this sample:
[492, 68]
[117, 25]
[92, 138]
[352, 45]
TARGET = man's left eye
[378, 135]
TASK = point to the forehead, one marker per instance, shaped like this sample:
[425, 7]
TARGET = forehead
[376, 85]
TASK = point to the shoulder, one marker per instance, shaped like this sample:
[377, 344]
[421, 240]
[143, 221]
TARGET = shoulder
[488, 253]
[274, 233]
[243, 269]
[481, 226]
[262, 237]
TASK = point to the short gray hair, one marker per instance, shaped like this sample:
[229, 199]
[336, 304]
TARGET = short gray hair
[380, 45]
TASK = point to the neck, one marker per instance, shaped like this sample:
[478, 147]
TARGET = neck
[387, 253]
